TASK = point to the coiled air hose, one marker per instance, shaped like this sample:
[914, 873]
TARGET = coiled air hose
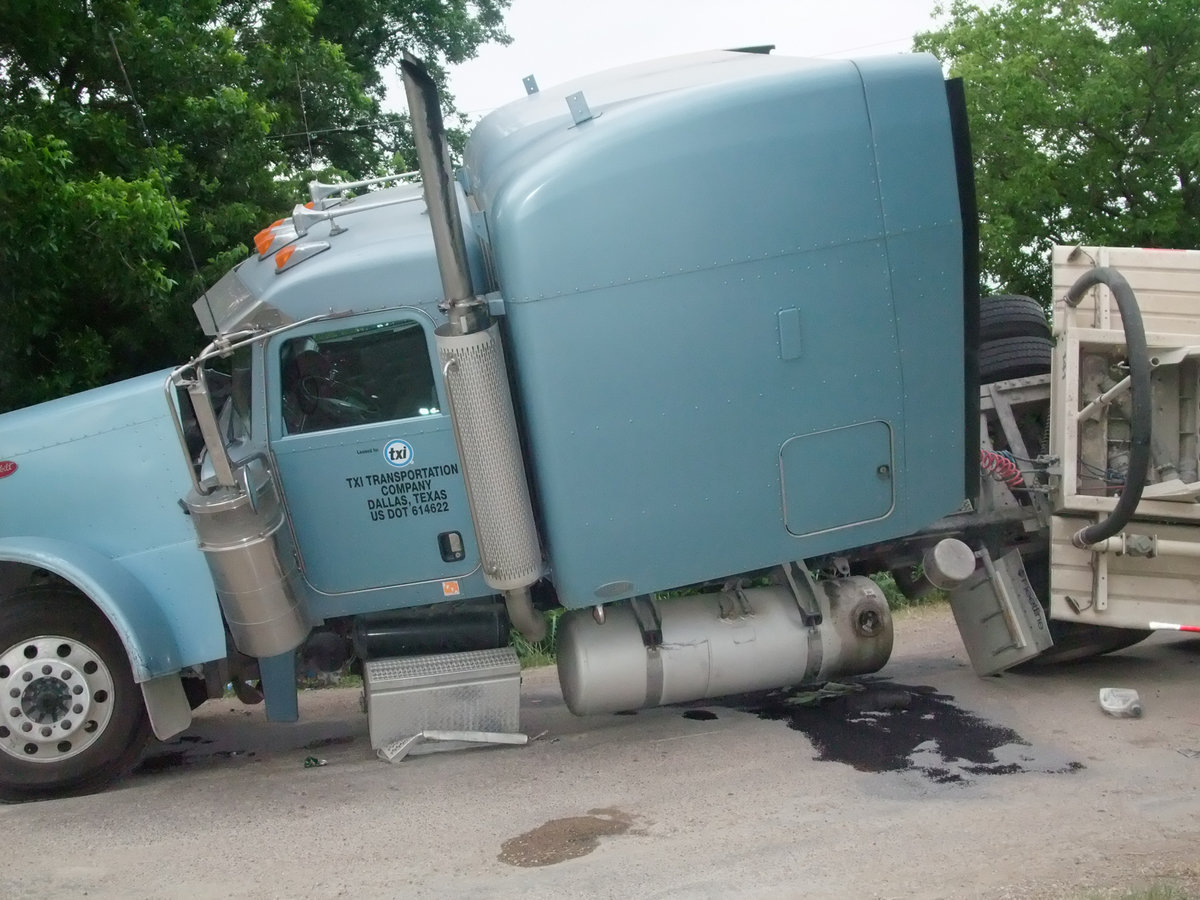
[1001, 467]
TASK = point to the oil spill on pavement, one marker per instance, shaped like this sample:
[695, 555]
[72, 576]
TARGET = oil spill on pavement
[701, 715]
[562, 839]
[162, 762]
[175, 755]
[890, 727]
[321, 743]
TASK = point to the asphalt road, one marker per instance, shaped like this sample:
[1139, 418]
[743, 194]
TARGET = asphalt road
[934, 783]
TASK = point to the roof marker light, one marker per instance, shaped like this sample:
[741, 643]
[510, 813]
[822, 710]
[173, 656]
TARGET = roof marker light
[280, 234]
[262, 240]
[282, 257]
[294, 254]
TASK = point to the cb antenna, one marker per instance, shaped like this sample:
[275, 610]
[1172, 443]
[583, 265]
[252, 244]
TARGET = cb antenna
[137, 108]
[304, 116]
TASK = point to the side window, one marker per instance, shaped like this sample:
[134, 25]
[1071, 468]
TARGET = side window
[356, 376]
[240, 389]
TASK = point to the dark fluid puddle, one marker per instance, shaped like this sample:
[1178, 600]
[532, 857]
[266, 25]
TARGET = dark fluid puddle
[181, 751]
[562, 839]
[329, 742]
[702, 715]
[907, 728]
[162, 762]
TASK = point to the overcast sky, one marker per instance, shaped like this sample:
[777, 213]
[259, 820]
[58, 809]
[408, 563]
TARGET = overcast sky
[557, 40]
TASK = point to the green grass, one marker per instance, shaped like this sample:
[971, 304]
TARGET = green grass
[321, 680]
[897, 600]
[540, 653]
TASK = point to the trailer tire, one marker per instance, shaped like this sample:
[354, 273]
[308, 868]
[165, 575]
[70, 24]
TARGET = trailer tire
[1014, 357]
[1011, 315]
[72, 720]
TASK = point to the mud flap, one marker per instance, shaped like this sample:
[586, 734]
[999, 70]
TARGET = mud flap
[999, 616]
[167, 705]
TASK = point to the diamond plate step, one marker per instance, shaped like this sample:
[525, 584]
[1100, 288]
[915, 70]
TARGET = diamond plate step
[477, 691]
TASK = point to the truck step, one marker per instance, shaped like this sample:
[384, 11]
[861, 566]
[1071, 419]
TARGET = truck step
[477, 692]
[999, 615]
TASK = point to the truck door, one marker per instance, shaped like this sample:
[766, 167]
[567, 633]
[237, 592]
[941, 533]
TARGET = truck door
[365, 452]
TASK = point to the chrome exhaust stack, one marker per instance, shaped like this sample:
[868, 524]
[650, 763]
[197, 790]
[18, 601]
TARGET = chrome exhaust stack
[476, 377]
[433, 156]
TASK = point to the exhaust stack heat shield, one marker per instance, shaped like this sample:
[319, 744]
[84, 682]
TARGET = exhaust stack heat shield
[486, 430]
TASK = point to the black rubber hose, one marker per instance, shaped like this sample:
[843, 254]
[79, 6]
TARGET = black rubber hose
[1139, 418]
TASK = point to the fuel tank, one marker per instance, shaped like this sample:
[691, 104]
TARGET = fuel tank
[653, 652]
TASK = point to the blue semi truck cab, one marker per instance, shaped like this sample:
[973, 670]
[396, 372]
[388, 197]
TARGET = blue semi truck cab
[704, 322]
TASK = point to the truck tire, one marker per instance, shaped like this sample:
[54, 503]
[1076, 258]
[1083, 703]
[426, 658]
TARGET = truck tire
[1014, 357]
[1011, 315]
[72, 719]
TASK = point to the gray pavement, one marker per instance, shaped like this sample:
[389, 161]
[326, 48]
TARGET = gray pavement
[948, 786]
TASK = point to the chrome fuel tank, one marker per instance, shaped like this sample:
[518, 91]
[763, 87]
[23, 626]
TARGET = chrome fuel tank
[710, 645]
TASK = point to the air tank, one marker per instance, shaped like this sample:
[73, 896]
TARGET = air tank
[241, 531]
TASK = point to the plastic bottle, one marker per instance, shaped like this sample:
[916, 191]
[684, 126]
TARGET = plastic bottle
[1123, 703]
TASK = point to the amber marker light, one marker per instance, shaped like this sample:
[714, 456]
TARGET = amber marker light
[262, 240]
[284, 255]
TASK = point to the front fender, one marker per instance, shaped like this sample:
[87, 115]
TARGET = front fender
[139, 621]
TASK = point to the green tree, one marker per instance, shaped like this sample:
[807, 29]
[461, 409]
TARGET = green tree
[88, 228]
[238, 103]
[1085, 126]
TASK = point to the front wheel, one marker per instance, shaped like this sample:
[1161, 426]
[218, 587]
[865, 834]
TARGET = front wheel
[72, 720]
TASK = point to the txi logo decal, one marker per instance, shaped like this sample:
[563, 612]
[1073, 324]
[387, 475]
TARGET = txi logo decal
[398, 453]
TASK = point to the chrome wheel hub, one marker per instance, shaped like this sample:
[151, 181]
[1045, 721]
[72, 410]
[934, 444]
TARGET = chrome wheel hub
[56, 697]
